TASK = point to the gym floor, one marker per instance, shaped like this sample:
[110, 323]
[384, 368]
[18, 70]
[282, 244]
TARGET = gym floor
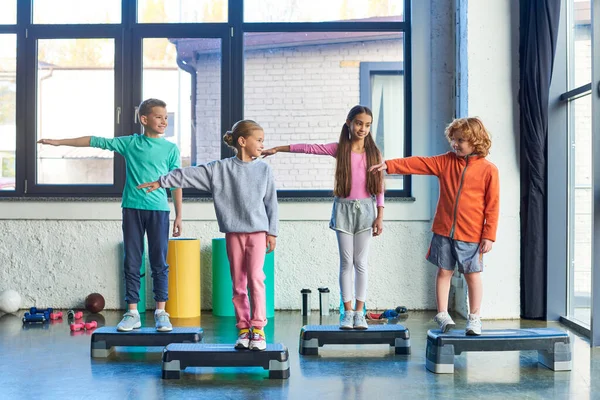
[50, 362]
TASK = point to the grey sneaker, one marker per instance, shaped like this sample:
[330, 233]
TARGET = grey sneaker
[444, 320]
[162, 322]
[359, 321]
[347, 322]
[130, 321]
[473, 325]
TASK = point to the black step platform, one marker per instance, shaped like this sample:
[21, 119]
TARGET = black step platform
[552, 345]
[106, 338]
[179, 356]
[314, 336]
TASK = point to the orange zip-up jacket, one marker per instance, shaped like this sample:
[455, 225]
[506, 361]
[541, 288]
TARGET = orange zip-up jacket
[469, 201]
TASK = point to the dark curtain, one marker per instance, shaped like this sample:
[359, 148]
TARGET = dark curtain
[537, 44]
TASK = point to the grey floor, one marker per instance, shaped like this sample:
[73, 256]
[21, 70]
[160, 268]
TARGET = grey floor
[38, 363]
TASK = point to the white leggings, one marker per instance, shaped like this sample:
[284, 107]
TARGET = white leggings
[354, 251]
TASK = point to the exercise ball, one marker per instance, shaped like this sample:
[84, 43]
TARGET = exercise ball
[10, 301]
[94, 302]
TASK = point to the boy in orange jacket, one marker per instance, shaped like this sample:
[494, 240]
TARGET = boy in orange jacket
[466, 218]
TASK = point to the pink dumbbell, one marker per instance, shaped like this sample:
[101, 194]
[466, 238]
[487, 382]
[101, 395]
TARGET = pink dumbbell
[56, 315]
[77, 326]
[91, 325]
[74, 314]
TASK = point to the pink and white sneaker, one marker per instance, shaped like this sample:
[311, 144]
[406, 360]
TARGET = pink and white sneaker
[258, 341]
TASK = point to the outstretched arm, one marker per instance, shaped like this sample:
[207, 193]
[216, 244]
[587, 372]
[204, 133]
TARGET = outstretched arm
[199, 177]
[83, 141]
[413, 165]
[329, 149]
[275, 150]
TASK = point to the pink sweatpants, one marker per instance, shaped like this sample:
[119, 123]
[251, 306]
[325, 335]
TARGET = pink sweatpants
[246, 253]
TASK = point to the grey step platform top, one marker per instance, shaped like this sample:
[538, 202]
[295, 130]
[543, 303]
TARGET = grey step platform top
[215, 355]
[332, 334]
[201, 349]
[498, 340]
[146, 336]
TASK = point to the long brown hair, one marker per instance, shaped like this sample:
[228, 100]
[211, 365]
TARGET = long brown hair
[243, 128]
[343, 164]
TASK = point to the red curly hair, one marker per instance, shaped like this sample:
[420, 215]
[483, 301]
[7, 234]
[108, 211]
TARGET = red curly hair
[473, 131]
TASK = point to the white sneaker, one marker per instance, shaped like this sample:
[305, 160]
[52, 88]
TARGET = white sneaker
[347, 321]
[243, 340]
[473, 325]
[257, 340]
[129, 322]
[444, 320]
[359, 321]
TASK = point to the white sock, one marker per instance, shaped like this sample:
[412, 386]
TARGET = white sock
[135, 312]
[158, 311]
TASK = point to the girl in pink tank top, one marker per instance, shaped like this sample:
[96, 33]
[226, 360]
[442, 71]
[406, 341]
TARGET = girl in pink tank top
[355, 217]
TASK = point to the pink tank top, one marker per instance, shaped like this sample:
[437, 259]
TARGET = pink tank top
[358, 164]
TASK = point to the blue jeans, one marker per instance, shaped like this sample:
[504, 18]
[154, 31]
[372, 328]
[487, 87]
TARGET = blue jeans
[156, 225]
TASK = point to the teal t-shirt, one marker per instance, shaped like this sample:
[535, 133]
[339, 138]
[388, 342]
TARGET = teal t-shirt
[146, 160]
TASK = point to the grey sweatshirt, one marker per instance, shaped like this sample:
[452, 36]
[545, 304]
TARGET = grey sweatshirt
[243, 192]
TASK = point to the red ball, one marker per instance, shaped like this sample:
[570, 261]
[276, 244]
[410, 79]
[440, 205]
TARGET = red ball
[94, 302]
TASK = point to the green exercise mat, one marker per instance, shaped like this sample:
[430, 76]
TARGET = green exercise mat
[222, 290]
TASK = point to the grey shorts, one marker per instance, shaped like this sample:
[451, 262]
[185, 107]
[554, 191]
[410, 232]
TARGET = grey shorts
[352, 216]
[445, 253]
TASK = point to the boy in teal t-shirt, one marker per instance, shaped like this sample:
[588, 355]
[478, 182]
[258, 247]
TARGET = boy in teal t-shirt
[147, 156]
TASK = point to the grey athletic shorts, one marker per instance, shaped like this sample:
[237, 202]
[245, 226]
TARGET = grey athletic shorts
[352, 216]
[445, 253]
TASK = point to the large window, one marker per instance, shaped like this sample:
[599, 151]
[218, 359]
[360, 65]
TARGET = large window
[301, 85]
[580, 160]
[294, 66]
[191, 87]
[75, 97]
[79, 12]
[169, 11]
[319, 10]
[9, 12]
[8, 107]
[382, 89]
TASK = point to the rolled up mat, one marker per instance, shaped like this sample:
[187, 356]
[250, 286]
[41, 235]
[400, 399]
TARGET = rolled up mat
[183, 257]
[222, 293]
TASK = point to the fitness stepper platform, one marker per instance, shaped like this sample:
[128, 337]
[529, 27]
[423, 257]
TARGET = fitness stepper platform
[106, 338]
[552, 345]
[314, 336]
[179, 356]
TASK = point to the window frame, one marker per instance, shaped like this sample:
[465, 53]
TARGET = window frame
[368, 69]
[125, 35]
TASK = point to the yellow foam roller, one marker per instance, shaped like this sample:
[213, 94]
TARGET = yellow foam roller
[183, 257]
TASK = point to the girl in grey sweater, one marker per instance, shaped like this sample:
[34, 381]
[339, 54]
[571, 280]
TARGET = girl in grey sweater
[245, 199]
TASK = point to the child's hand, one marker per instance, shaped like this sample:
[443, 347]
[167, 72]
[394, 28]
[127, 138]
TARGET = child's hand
[485, 246]
[177, 226]
[152, 186]
[269, 152]
[51, 142]
[378, 227]
[378, 167]
[271, 243]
